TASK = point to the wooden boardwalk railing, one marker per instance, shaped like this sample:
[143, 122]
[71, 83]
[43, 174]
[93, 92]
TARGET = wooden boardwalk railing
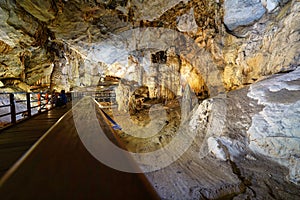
[35, 103]
[59, 166]
[16, 139]
[100, 96]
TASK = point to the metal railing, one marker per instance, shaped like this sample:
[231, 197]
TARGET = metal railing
[34, 103]
[16, 102]
[100, 96]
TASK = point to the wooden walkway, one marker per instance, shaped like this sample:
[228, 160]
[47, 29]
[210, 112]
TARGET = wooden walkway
[60, 167]
[17, 139]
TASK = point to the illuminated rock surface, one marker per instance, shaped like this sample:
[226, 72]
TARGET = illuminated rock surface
[247, 146]
[221, 46]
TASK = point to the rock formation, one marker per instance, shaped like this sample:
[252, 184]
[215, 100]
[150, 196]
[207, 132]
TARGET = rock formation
[247, 146]
[43, 39]
[247, 143]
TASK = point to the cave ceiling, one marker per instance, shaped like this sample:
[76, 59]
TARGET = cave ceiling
[36, 34]
[54, 38]
[81, 23]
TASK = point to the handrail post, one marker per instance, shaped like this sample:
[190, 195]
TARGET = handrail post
[12, 108]
[47, 100]
[39, 102]
[28, 104]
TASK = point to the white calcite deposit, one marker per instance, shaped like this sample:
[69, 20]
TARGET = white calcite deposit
[275, 131]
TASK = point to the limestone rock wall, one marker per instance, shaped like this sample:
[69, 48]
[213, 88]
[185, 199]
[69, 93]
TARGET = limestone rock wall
[222, 45]
[250, 136]
[246, 40]
[24, 54]
[31, 36]
[166, 77]
[268, 46]
[275, 131]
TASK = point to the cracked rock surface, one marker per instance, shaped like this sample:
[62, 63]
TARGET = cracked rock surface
[241, 151]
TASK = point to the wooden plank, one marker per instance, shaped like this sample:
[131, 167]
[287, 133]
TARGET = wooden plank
[23, 135]
[60, 167]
